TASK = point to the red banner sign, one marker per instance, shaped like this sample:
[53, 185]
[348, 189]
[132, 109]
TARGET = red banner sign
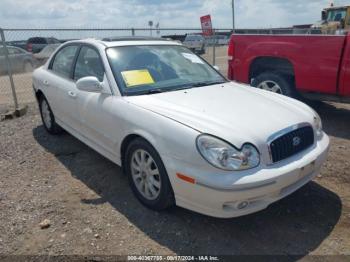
[207, 27]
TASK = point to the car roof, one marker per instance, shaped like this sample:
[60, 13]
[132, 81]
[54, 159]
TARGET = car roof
[126, 41]
[133, 38]
[337, 7]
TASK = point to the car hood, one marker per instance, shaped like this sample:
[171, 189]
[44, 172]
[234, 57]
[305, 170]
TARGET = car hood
[234, 112]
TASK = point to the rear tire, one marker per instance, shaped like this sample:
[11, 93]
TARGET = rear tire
[276, 83]
[48, 118]
[147, 176]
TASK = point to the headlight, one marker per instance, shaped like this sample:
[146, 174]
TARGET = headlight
[224, 156]
[318, 124]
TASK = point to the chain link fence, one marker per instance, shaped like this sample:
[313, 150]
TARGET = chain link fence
[23, 50]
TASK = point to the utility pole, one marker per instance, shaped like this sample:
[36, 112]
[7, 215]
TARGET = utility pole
[233, 15]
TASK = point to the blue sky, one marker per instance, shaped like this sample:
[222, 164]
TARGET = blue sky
[169, 13]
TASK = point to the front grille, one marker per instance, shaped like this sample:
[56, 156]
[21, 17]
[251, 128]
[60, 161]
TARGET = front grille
[291, 143]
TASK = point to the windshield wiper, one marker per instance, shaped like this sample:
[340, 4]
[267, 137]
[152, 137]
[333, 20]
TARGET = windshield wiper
[207, 83]
[154, 91]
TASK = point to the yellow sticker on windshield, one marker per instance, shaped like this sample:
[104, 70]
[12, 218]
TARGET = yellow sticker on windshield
[137, 78]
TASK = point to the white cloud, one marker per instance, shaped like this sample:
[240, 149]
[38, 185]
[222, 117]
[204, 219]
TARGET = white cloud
[170, 13]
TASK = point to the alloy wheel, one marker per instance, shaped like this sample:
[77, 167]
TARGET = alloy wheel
[145, 174]
[46, 114]
[271, 86]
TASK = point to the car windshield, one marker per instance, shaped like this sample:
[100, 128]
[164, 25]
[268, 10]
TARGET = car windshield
[159, 68]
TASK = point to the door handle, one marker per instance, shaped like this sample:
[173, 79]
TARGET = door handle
[72, 94]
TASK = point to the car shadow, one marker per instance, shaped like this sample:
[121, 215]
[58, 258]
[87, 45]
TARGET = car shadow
[295, 225]
[335, 120]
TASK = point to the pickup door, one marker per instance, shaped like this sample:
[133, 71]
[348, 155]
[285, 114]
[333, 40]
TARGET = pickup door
[315, 58]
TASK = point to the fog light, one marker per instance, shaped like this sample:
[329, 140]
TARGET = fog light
[242, 205]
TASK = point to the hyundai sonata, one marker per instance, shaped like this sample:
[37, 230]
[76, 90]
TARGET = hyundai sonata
[183, 134]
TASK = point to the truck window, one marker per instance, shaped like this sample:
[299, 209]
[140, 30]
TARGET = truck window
[336, 15]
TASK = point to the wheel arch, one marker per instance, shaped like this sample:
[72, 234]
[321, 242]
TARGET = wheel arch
[39, 94]
[265, 64]
[131, 137]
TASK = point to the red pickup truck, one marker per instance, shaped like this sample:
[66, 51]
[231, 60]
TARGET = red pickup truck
[316, 66]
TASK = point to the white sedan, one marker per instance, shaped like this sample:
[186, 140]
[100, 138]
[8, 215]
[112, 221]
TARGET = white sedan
[183, 134]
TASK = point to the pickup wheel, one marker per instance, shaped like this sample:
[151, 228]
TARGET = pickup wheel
[276, 83]
[48, 118]
[147, 175]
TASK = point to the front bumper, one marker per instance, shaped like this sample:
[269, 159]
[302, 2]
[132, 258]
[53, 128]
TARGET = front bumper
[225, 193]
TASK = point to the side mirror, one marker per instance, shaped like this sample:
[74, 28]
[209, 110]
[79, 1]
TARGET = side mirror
[89, 84]
[216, 68]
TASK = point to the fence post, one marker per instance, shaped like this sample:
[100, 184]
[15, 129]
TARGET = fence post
[132, 32]
[9, 69]
[214, 48]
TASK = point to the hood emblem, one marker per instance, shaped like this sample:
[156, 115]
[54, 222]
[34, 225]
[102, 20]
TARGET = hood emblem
[296, 141]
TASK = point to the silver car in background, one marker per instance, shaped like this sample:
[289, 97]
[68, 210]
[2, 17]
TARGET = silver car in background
[45, 54]
[196, 43]
[20, 60]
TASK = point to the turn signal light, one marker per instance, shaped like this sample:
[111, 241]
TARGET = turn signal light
[186, 178]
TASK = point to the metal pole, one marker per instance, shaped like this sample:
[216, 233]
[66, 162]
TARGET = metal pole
[214, 49]
[9, 68]
[132, 31]
[233, 15]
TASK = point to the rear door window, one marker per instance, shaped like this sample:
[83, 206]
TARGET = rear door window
[63, 61]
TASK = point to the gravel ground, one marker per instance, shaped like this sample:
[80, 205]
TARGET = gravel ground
[89, 208]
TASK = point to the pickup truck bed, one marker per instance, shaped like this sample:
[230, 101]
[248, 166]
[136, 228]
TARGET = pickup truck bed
[309, 64]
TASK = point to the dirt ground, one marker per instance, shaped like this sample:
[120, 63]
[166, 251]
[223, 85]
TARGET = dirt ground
[92, 210]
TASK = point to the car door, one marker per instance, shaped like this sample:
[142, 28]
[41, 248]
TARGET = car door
[62, 89]
[95, 118]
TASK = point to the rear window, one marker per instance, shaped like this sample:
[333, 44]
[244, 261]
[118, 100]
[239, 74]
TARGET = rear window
[37, 40]
[53, 41]
[193, 38]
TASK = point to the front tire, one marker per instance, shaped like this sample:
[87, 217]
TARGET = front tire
[276, 83]
[48, 118]
[147, 176]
